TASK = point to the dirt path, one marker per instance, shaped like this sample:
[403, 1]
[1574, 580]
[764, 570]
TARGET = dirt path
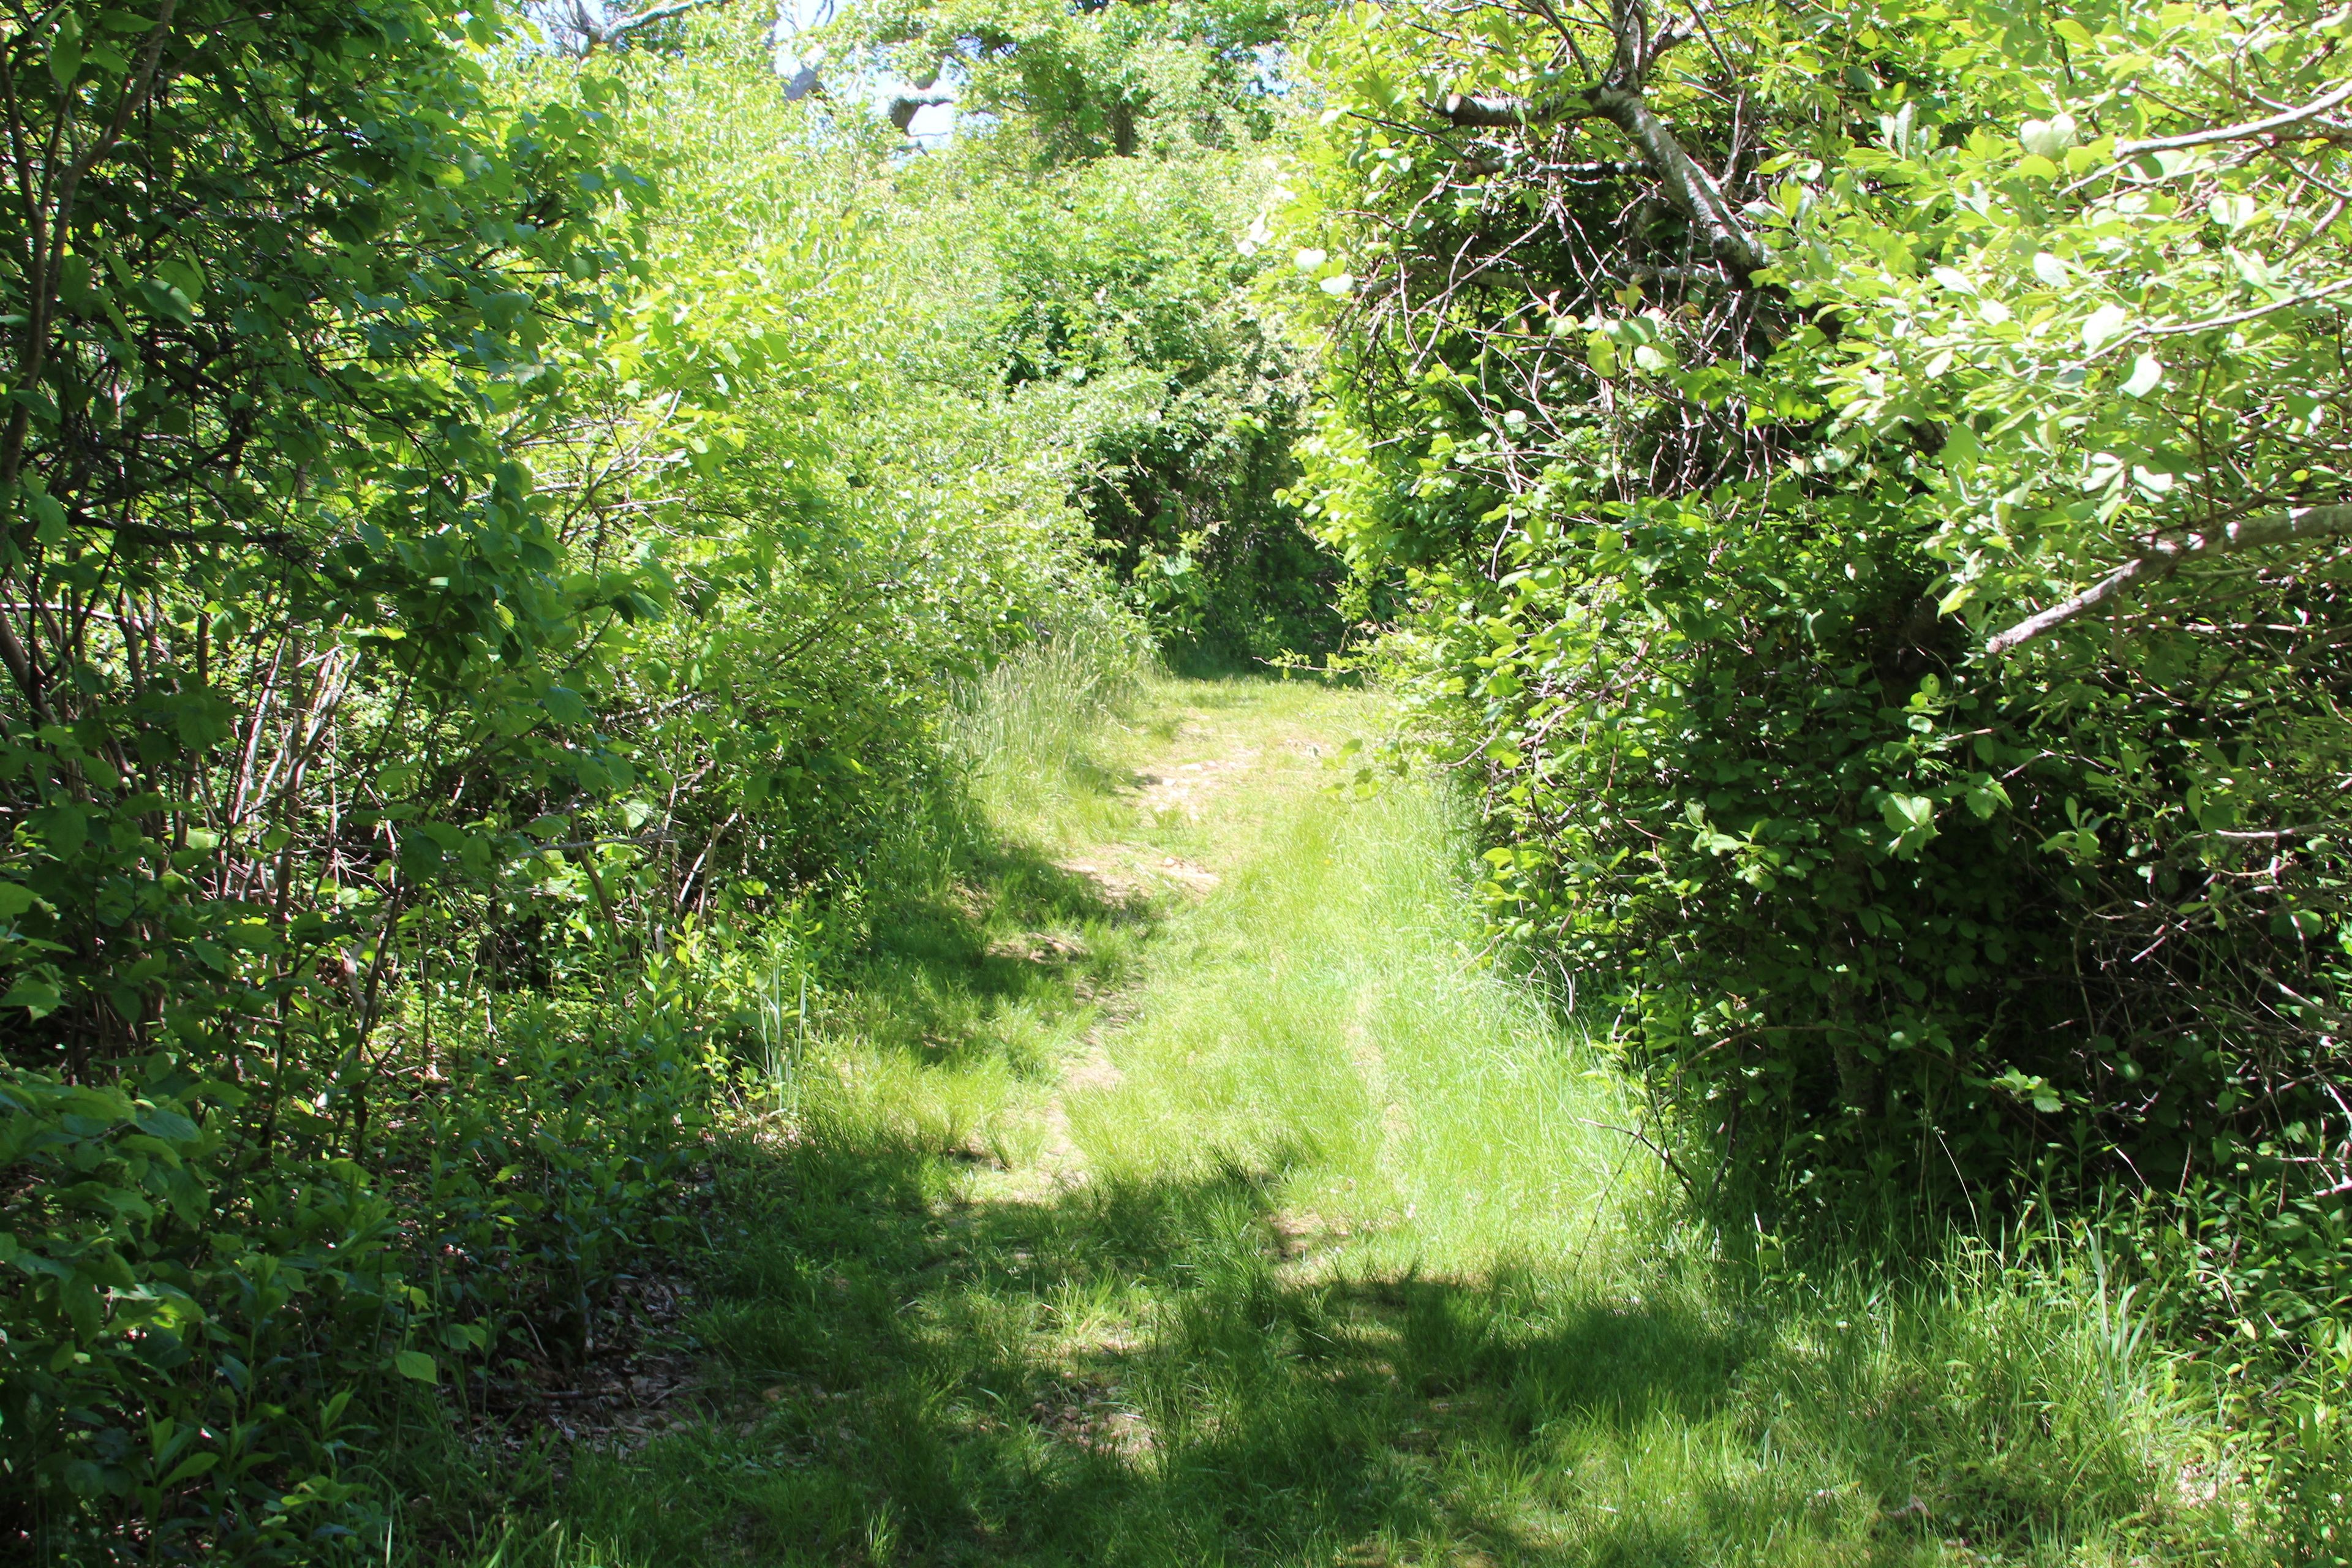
[1199, 766]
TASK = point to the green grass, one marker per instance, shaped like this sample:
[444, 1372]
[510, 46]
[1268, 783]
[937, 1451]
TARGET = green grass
[1170, 1184]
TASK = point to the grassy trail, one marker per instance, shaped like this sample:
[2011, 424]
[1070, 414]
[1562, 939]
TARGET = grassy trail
[1171, 1186]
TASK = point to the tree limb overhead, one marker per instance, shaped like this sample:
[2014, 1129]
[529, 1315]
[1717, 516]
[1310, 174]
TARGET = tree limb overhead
[2165, 556]
[1620, 98]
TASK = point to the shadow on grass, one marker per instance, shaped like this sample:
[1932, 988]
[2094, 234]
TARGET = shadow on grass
[1137, 1372]
[1126, 1375]
[1013, 944]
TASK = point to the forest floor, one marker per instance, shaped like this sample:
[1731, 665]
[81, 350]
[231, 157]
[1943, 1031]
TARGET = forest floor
[1172, 1183]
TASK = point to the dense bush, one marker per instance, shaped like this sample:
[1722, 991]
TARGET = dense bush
[212, 1332]
[1712, 492]
[1122, 275]
[286, 292]
[1103, 229]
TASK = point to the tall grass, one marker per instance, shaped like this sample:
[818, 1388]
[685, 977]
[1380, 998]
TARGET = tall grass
[1018, 754]
[1025, 732]
[1460, 1198]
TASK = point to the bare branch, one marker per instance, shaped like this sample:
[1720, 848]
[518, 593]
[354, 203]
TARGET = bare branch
[2164, 556]
[1690, 187]
[654, 14]
[584, 23]
[904, 109]
[1619, 98]
[2252, 128]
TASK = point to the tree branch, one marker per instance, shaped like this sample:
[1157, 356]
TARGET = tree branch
[1690, 187]
[2276, 123]
[1619, 98]
[2164, 556]
[652, 16]
[904, 109]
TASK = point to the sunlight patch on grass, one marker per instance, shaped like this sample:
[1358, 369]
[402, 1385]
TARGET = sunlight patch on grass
[1324, 1013]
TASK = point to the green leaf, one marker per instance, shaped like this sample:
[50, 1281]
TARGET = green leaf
[2230, 211]
[48, 512]
[2047, 139]
[37, 995]
[169, 1125]
[189, 1469]
[168, 300]
[417, 1365]
[2146, 373]
[65, 52]
[64, 828]
[565, 706]
[2107, 325]
[1907, 811]
[1986, 795]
